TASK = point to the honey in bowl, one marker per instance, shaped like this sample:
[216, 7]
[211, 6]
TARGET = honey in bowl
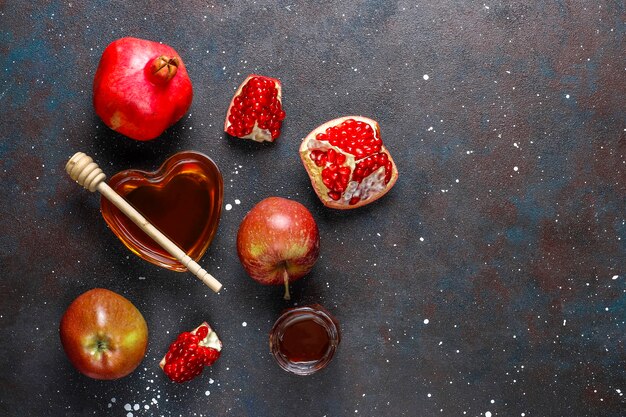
[304, 339]
[183, 199]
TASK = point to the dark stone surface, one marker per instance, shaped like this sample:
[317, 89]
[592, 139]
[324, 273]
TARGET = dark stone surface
[506, 229]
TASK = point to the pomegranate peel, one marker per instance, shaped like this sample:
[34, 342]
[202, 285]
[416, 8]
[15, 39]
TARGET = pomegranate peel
[347, 162]
[255, 111]
[190, 353]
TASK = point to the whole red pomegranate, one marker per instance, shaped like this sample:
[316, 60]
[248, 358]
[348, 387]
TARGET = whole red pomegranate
[347, 162]
[256, 111]
[141, 88]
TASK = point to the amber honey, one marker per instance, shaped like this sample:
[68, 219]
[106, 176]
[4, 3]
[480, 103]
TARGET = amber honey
[304, 339]
[182, 199]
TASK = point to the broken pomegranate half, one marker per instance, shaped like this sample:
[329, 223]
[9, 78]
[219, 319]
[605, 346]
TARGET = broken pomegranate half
[190, 353]
[347, 162]
[256, 111]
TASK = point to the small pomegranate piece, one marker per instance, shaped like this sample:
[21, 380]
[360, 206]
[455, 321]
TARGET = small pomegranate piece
[190, 353]
[256, 111]
[141, 88]
[347, 162]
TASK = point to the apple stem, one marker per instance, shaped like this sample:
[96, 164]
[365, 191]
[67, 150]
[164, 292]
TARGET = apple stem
[286, 278]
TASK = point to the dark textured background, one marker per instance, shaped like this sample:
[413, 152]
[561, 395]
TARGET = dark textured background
[490, 281]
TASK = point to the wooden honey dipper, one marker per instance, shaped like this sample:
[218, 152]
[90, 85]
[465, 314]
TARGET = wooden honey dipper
[82, 169]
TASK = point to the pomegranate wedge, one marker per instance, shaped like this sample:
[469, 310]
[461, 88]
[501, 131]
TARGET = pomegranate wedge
[256, 111]
[347, 162]
[190, 353]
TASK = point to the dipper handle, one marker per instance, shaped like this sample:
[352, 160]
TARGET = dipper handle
[82, 169]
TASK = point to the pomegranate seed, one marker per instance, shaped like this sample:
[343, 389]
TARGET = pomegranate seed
[202, 332]
[334, 195]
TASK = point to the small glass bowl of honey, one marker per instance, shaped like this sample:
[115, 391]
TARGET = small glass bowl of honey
[304, 339]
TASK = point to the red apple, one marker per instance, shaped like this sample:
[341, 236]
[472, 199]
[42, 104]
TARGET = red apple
[103, 334]
[278, 242]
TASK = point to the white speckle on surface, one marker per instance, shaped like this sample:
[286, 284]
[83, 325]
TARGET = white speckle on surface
[564, 322]
[421, 239]
[487, 413]
[129, 414]
[147, 407]
[228, 207]
[429, 395]
[426, 77]
[244, 324]
[136, 407]
[211, 380]
[127, 407]
[492, 401]
[237, 201]
[113, 399]
[207, 393]
[566, 95]
[615, 277]
[430, 129]
[426, 321]
[515, 169]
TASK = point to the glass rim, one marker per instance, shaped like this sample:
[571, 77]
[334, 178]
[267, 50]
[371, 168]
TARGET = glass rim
[322, 316]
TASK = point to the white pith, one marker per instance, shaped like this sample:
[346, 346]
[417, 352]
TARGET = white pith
[258, 134]
[371, 185]
[211, 340]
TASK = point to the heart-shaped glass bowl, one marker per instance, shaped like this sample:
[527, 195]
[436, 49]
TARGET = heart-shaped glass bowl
[183, 199]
